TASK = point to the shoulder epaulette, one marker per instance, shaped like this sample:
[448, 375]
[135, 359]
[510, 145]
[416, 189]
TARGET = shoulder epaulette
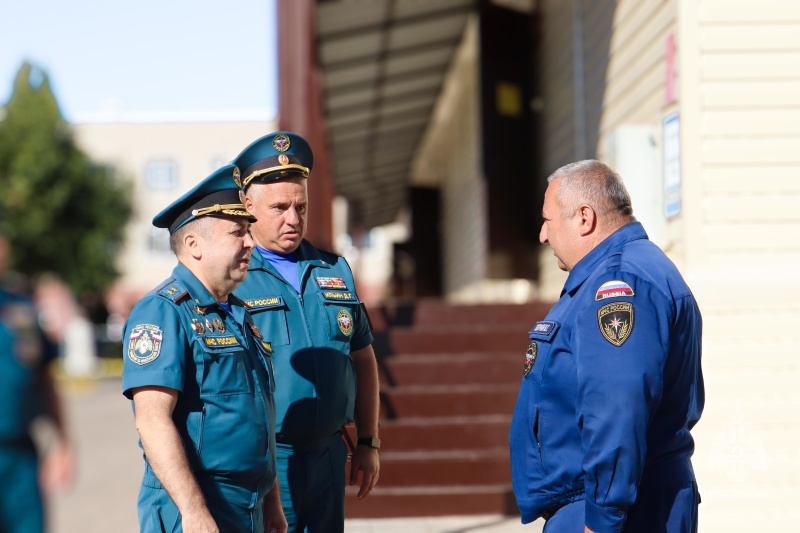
[173, 291]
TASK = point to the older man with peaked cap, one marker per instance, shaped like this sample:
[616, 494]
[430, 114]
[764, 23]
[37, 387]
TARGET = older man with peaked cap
[200, 376]
[321, 336]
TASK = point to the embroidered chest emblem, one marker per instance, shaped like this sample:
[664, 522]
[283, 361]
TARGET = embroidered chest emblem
[345, 321]
[144, 344]
[530, 358]
[331, 283]
[616, 322]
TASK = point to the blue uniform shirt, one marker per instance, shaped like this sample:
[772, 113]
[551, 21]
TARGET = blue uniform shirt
[23, 354]
[612, 383]
[179, 337]
[312, 335]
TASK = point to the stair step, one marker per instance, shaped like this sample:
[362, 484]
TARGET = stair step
[486, 339]
[452, 369]
[438, 312]
[424, 500]
[447, 400]
[469, 467]
[446, 433]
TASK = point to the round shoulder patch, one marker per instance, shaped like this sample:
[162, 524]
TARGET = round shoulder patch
[345, 321]
[144, 344]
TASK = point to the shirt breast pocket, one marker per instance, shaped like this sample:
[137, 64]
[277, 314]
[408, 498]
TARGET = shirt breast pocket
[340, 310]
[224, 370]
[272, 321]
[543, 341]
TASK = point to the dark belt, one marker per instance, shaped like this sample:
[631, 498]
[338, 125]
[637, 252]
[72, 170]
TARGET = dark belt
[313, 446]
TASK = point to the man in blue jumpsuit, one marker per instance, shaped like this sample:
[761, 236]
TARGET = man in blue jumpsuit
[612, 382]
[321, 337]
[200, 375]
[26, 392]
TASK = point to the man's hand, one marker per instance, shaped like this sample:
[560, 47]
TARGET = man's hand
[587, 530]
[199, 522]
[365, 460]
[274, 519]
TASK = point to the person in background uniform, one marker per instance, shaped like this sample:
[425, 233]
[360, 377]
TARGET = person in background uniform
[200, 376]
[321, 336]
[27, 391]
[612, 382]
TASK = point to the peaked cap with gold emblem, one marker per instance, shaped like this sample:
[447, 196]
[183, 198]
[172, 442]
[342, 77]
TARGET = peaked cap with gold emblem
[217, 195]
[279, 155]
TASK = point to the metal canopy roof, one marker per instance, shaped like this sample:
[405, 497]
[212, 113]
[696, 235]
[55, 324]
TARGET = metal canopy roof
[383, 63]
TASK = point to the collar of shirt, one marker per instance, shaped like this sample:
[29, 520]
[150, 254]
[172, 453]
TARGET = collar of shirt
[196, 289]
[631, 231]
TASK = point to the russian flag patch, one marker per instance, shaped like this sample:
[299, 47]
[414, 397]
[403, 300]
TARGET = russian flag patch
[613, 289]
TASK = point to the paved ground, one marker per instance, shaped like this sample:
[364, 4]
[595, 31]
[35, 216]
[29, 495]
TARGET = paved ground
[103, 497]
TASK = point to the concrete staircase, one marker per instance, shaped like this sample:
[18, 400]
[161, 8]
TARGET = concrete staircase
[449, 379]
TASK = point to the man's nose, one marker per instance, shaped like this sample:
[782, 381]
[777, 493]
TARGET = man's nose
[292, 217]
[248, 241]
[543, 234]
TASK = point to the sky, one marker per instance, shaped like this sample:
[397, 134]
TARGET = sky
[116, 60]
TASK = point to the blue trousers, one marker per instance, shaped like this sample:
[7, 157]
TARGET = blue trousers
[312, 487]
[21, 509]
[158, 514]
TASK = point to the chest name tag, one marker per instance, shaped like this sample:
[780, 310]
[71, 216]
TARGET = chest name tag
[221, 341]
[265, 303]
[331, 283]
[543, 328]
[339, 296]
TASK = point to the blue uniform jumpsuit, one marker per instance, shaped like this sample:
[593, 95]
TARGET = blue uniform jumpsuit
[312, 335]
[23, 356]
[611, 387]
[179, 337]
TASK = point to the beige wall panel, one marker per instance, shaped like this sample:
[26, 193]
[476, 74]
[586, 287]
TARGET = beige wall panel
[750, 65]
[790, 260]
[778, 150]
[753, 209]
[765, 179]
[751, 238]
[751, 94]
[748, 37]
[751, 122]
[750, 11]
[642, 104]
[627, 51]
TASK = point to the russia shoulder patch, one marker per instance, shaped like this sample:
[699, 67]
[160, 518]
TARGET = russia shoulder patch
[613, 289]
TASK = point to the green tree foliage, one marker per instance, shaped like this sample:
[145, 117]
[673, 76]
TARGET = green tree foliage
[62, 213]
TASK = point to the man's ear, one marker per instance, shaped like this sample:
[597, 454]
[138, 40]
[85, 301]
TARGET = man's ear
[587, 223]
[247, 201]
[192, 243]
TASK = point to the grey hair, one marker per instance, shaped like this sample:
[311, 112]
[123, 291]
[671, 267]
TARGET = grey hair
[200, 225]
[595, 184]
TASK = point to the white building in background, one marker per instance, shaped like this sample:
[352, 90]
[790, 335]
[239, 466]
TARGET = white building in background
[163, 157]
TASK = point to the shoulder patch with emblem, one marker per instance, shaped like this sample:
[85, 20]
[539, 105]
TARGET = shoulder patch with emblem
[144, 344]
[616, 322]
[613, 289]
[331, 283]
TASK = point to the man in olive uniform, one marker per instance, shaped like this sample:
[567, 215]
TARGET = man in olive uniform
[200, 376]
[321, 336]
[26, 391]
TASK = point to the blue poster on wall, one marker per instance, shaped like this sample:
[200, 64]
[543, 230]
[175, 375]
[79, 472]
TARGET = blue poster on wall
[672, 166]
